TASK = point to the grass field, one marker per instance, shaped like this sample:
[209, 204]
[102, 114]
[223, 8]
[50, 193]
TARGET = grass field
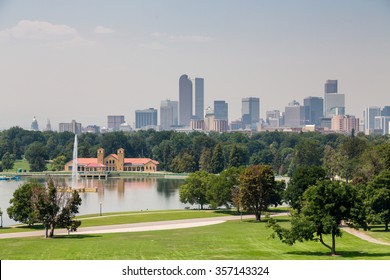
[233, 240]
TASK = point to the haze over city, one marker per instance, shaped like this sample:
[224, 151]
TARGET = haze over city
[84, 60]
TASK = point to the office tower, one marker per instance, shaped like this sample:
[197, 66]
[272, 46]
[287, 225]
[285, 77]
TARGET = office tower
[316, 109]
[385, 111]
[345, 123]
[168, 114]
[114, 122]
[185, 100]
[220, 110]
[73, 127]
[331, 86]
[273, 118]
[146, 118]
[250, 110]
[296, 115]
[209, 119]
[48, 125]
[199, 98]
[369, 115]
[381, 125]
[334, 102]
[34, 124]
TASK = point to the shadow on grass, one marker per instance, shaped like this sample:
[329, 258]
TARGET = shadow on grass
[339, 254]
[76, 236]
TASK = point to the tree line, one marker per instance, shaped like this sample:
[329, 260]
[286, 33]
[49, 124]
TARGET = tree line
[353, 157]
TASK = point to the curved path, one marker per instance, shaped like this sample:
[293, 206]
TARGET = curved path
[135, 227]
[364, 236]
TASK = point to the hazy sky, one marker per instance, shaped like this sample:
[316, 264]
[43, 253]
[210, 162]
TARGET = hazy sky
[86, 59]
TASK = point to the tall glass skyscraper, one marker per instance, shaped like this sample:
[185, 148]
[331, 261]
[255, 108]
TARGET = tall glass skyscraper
[185, 100]
[316, 109]
[334, 102]
[168, 114]
[146, 118]
[250, 110]
[199, 98]
[220, 110]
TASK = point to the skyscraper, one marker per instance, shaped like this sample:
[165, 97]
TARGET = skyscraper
[316, 109]
[250, 110]
[296, 115]
[220, 110]
[369, 115]
[185, 100]
[34, 124]
[168, 114]
[199, 98]
[146, 118]
[114, 122]
[334, 102]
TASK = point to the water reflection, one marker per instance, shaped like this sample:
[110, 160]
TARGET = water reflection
[112, 195]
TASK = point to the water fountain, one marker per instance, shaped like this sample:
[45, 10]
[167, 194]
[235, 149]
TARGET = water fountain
[74, 164]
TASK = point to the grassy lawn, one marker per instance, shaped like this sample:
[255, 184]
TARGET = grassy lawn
[378, 232]
[231, 240]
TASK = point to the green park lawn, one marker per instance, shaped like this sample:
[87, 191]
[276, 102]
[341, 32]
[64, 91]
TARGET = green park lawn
[233, 240]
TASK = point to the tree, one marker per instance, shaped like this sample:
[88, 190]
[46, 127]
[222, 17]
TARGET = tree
[308, 152]
[235, 159]
[58, 163]
[378, 199]
[302, 178]
[36, 155]
[21, 207]
[56, 208]
[222, 185]
[325, 206]
[195, 189]
[205, 161]
[217, 160]
[184, 162]
[257, 183]
[8, 161]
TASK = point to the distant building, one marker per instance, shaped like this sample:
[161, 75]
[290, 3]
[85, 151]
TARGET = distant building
[250, 109]
[113, 162]
[316, 109]
[91, 129]
[221, 110]
[48, 125]
[73, 127]
[221, 125]
[209, 119]
[296, 115]
[34, 124]
[381, 125]
[199, 98]
[369, 115]
[145, 119]
[185, 100]
[334, 102]
[385, 111]
[273, 118]
[114, 122]
[125, 127]
[169, 116]
[236, 125]
[345, 123]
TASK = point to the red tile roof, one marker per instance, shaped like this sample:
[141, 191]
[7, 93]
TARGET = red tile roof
[134, 161]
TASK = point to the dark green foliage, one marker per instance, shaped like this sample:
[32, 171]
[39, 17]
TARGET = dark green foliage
[195, 189]
[7, 161]
[36, 154]
[257, 189]
[302, 178]
[21, 207]
[325, 206]
[218, 160]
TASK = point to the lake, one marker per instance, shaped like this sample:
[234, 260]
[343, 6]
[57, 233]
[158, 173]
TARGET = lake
[113, 195]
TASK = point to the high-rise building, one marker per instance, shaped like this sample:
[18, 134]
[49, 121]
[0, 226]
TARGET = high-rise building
[185, 100]
[273, 118]
[250, 110]
[369, 115]
[381, 125]
[296, 115]
[168, 114]
[334, 102]
[114, 122]
[345, 123]
[316, 109]
[73, 127]
[146, 118]
[34, 124]
[48, 125]
[385, 111]
[220, 110]
[199, 98]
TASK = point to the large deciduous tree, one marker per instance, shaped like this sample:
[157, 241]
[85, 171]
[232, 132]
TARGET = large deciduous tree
[36, 155]
[8, 161]
[378, 199]
[257, 188]
[325, 206]
[194, 191]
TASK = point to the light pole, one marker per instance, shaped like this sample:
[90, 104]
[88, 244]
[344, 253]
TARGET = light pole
[100, 208]
[1, 217]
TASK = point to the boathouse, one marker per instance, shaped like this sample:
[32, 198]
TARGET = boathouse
[113, 162]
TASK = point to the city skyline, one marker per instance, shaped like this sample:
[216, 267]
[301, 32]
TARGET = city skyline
[80, 61]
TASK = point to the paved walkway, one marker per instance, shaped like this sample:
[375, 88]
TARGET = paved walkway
[364, 236]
